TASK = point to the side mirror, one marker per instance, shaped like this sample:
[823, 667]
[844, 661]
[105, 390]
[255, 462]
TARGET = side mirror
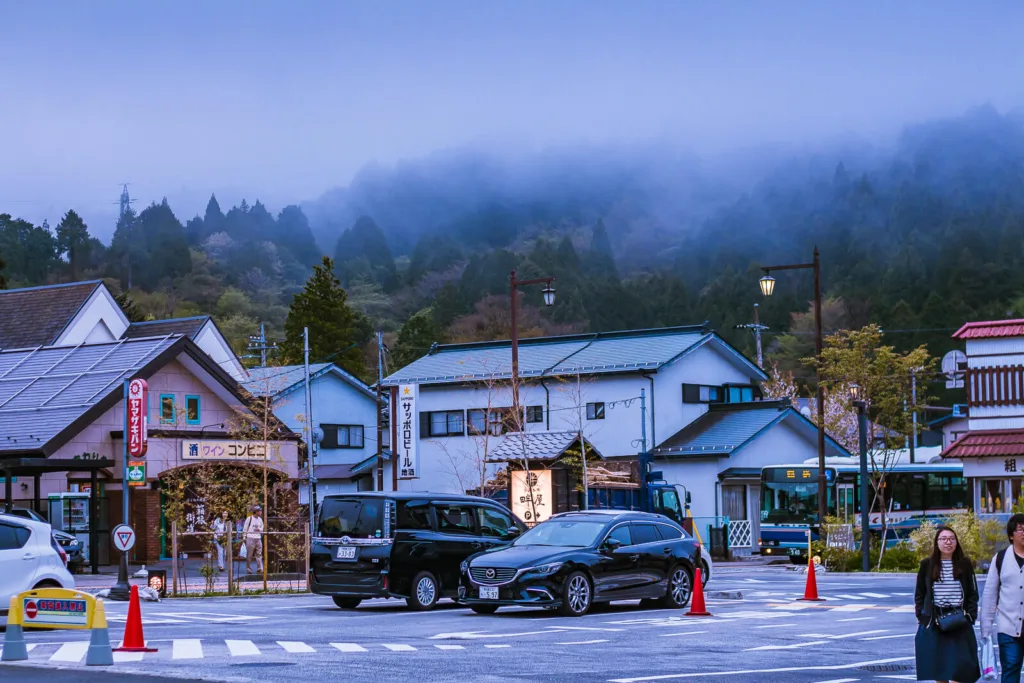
[611, 545]
[514, 531]
[688, 500]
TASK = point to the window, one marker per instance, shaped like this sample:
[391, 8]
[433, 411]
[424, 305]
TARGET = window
[415, 516]
[167, 408]
[534, 414]
[442, 423]
[645, 533]
[342, 436]
[455, 519]
[742, 394]
[192, 410]
[701, 393]
[595, 411]
[621, 534]
[13, 536]
[495, 524]
[497, 423]
[669, 533]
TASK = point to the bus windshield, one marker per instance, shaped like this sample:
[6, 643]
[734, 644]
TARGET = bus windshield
[785, 501]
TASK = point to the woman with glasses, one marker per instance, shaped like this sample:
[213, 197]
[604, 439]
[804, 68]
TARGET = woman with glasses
[946, 602]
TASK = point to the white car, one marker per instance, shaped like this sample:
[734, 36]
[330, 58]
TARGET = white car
[707, 566]
[29, 558]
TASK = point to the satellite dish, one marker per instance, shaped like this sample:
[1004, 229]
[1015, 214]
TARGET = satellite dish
[318, 435]
[954, 365]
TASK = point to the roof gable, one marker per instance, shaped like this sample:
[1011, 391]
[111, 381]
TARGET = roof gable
[991, 329]
[278, 381]
[36, 316]
[188, 327]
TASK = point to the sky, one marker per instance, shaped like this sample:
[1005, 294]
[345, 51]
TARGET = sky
[283, 100]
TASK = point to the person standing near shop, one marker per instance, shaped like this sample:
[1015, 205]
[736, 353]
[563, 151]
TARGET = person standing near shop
[252, 532]
[946, 604]
[220, 528]
[1002, 607]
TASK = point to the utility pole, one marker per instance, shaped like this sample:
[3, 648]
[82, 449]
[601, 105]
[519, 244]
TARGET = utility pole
[583, 444]
[124, 204]
[645, 502]
[380, 412]
[913, 412]
[308, 431]
[756, 327]
[258, 342]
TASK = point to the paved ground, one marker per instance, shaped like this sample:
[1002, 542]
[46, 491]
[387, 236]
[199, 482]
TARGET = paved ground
[862, 632]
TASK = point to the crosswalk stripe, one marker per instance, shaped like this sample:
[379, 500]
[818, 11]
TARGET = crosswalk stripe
[901, 635]
[450, 647]
[187, 648]
[875, 595]
[121, 657]
[348, 647]
[242, 648]
[786, 647]
[851, 608]
[295, 647]
[28, 648]
[846, 596]
[855, 619]
[497, 647]
[399, 647]
[70, 652]
[843, 635]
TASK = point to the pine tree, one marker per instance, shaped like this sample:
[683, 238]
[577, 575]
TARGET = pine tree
[366, 239]
[601, 257]
[415, 338]
[335, 333]
[213, 219]
[73, 241]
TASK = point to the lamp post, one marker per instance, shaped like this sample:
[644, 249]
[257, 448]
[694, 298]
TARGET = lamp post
[861, 404]
[549, 300]
[767, 284]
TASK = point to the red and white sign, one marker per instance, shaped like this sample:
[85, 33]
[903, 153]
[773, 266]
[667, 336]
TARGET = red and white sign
[123, 537]
[30, 609]
[138, 398]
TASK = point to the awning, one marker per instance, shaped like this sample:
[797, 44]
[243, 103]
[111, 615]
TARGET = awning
[995, 443]
[740, 472]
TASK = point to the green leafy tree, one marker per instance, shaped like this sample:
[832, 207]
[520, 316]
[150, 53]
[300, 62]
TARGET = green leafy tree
[293, 227]
[416, 337]
[366, 240]
[335, 331]
[74, 242]
[601, 257]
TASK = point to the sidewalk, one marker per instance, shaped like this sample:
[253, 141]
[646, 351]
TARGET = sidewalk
[190, 578]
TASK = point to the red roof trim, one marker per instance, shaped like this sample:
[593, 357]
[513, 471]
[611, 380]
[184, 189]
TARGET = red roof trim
[991, 328]
[993, 443]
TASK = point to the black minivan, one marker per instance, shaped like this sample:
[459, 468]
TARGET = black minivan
[402, 544]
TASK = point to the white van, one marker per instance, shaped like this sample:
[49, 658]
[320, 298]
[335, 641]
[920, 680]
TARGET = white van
[29, 558]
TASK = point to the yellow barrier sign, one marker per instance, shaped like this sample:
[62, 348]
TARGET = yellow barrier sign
[57, 608]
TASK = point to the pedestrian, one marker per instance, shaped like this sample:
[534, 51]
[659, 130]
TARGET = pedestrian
[252, 532]
[220, 529]
[1002, 606]
[946, 603]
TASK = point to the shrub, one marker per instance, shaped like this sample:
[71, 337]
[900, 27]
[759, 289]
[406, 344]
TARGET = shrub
[900, 557]
[980, 538]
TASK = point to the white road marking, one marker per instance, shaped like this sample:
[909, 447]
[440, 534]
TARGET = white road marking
[793, 606]
[841, 680]
[708, 674]
[120, 657]
[905, 609]
[70, 652]
[846, 596]
[585, 628]
[875, 595]
[399, 647]
[450, 647]
[785, 647]
[902, 635]
[842, 635]
[473, 635]
[583, 642]
[295, 647]
[904, 595]
[242, 648]
[855, 619]
[775, 625]
[687, 633]
[349, 647]
[851, 608]
[187, 648]
[496, 647]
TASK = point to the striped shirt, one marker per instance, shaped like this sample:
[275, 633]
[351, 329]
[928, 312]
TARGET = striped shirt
[947, 590]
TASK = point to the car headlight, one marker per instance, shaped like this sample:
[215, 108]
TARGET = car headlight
[464, 567]
[549, 568]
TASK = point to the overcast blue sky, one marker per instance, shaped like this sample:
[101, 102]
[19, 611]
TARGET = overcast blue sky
[283, 100]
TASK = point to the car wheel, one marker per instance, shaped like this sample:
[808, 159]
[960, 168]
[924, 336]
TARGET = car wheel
[424, 593]
[46, 584]
[346, 603]
[577, 594]
[484, 609]
[680, 587]
[796, 559]
[705, 573]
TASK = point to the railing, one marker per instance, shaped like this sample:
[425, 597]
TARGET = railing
[741, 533]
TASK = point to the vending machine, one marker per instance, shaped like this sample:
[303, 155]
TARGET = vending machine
[69, 512]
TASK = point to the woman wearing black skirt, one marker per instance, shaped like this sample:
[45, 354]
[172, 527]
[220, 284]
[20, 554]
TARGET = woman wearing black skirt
[946, 583]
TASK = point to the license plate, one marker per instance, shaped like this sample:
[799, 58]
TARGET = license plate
[346, 553]
[488, 593]
[794, 551]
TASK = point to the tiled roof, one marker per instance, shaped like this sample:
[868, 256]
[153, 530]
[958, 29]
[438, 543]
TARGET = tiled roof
[603, 352]
[36, 316]
[328, 472]
[43, 391]
[278, 380]
[724, 428]
[536, 446]
[985, 444]
[188, 327]
[991, 329]
[369, 464]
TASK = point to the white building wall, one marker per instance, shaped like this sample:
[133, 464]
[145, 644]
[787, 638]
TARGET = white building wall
[99, 320]
[215, 346]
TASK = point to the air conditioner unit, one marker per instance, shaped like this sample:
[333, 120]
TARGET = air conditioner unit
[959, 410]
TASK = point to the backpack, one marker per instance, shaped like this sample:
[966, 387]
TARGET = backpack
[999, 560]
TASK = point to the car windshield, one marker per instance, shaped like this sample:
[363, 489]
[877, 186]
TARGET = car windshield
[562, 532]
[355, 517]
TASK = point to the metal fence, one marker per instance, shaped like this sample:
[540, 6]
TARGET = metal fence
[196, 570]
[741, 533]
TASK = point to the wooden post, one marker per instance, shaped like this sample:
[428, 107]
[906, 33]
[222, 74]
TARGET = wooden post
[174, 562]
[229, 557]
[308, 587]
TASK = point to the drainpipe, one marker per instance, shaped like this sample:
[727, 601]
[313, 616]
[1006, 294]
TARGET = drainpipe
[547, 406]
[654, 434]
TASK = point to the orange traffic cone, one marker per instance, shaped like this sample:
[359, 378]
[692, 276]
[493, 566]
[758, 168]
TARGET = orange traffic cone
[133, 640]
[811, 590]
[697, 608]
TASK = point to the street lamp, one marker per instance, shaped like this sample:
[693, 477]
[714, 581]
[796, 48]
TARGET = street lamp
[767, 287]
[861, 404]
[549, 300]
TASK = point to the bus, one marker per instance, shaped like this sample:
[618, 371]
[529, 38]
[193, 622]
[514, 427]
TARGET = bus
[789, 501]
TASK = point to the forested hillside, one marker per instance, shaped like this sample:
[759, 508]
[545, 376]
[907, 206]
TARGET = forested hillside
[919, 238]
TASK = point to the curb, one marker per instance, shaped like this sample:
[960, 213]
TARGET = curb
[726, 595]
